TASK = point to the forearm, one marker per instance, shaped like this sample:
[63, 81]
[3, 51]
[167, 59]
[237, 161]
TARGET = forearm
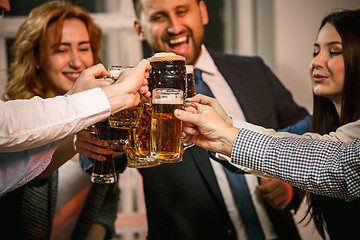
[322, 167]
[31, 123]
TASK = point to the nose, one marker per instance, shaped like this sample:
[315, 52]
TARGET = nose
[319, 60]
[175, 25]
[75, 60]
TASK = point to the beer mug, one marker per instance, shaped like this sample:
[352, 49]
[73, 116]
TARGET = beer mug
[128, 118]
[131, 150]
[167, 71]
[166, 129]
[190, 82]
[116, 139]
[190, 92]
[141, 137]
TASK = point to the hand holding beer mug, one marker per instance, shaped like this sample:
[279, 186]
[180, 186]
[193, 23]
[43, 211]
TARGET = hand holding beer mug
[128, 118]
[166, 140]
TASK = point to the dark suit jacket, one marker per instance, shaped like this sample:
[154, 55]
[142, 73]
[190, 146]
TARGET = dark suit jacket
[183, 200]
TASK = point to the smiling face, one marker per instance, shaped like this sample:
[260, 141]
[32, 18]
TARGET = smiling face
[65, 60]
[173, 26]
[327, 67]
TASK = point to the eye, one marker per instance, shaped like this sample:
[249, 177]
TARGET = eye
[335, 53]
[158, 18]
[61, 50]
[182, 11]
[316, 52]
[84, 49]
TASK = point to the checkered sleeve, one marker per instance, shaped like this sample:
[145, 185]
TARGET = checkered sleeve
[320, 166]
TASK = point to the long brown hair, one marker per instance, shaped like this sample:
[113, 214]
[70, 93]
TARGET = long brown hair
[325, 117]
[25, 80]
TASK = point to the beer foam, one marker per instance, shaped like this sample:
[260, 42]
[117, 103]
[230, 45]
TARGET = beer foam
[165, 56]
[166, 98]
[167, 101]
[189, 69]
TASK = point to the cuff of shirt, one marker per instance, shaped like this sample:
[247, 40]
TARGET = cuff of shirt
[234, 155]
[94, 105]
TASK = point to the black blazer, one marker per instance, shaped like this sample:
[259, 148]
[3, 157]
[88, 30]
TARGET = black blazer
[183, 200]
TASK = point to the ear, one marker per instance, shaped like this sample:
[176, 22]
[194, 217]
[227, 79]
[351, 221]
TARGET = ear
[138, 30]
[203, 13]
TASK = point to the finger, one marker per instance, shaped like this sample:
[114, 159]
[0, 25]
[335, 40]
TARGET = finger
[185, 116]
[190, 130]
[143, 90]
[191, 107]
[262, 189]
[147, 95]
[94, 155]
[144, 64]
[98, 70]
[199, 98]
[84, 137]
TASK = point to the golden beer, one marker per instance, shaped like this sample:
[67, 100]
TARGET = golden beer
[131, 150]
[126, 119]
[142, 133]
[166, 129]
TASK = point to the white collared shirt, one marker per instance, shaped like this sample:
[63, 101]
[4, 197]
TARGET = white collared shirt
[225, 96]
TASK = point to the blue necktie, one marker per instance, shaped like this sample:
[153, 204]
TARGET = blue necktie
[200, 85]
[236, 180]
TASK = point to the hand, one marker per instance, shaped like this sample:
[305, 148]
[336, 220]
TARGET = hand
[132, 82]
[88, 79]
[212, 102]
[209, 130]
[87, 144]
[277, 193]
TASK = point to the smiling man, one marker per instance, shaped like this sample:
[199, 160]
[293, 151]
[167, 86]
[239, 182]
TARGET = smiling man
[195, 199]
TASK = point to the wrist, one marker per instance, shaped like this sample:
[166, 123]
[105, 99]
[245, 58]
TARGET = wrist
[228, 140]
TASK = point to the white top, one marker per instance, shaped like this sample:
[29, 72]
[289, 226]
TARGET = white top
[225, 96]
[28, 140]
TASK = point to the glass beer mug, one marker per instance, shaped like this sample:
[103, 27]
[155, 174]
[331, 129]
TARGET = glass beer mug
[128, 118]
[166, 129]
[116, 139]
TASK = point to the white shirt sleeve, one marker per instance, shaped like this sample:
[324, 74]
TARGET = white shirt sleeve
[26, 124]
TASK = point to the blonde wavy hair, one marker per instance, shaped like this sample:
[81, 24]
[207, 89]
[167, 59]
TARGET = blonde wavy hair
[30, 44]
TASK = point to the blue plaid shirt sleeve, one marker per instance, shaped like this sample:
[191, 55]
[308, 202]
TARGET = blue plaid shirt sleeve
[320, 166]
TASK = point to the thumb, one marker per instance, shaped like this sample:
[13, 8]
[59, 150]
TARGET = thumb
[144, 64]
